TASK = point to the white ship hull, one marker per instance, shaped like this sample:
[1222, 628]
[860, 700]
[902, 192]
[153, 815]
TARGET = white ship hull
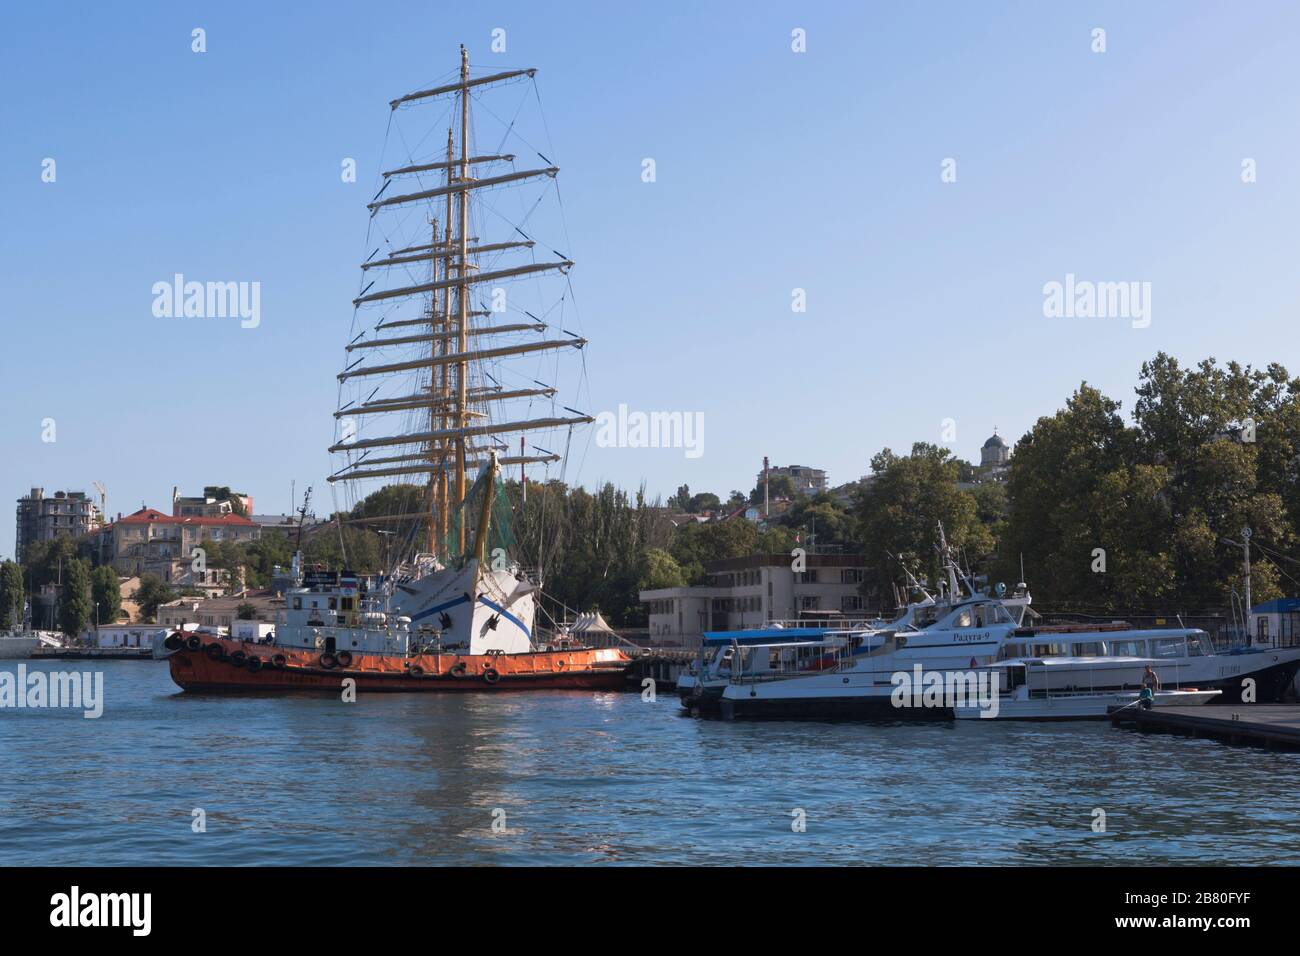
[476, 612]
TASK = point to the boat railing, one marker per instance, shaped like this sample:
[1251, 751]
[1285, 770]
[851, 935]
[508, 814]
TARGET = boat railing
[793, 659]
[828, 624]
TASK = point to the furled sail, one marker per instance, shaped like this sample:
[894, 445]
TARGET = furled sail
[461, 283]
[463, 186]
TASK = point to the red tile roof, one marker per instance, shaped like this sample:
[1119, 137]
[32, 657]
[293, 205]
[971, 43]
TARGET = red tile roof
[154, 516]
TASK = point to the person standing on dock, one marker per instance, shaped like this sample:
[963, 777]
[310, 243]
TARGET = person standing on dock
[1150, 680]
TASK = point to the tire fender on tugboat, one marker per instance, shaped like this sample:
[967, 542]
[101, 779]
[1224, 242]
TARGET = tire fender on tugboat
[491, 675]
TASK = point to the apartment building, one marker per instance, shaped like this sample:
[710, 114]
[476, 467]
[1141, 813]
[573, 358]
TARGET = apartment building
[42, 517]
[749, 591]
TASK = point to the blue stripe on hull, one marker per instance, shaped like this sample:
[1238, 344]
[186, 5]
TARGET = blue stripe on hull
[463, 600]
[508, 616]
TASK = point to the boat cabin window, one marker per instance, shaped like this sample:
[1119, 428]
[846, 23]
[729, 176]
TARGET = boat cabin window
[1089, 649]
[1128, 648]
[925, 616]
[966, 618]
[1012, 650]
[1169, 647]
[297, 604]
[986, 615]
[1198, 645]
[1049, 650]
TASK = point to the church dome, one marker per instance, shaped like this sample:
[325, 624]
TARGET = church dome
[995, 442]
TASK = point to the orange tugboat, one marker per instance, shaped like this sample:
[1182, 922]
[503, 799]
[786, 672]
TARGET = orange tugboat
[458, 614]
[465, 628]
[207, 664]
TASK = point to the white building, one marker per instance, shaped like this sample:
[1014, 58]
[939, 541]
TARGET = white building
[750, 591]
[122, 635]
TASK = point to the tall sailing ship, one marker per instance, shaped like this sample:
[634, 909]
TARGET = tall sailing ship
[427, 396]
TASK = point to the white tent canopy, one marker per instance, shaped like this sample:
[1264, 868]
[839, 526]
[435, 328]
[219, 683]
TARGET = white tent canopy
[590, 622]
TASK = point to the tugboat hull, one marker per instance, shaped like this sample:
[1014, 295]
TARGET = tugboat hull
[225, 666]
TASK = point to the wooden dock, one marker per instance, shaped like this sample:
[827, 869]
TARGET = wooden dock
[1266, 725]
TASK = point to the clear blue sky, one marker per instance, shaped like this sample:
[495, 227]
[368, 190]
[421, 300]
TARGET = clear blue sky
[776, 170]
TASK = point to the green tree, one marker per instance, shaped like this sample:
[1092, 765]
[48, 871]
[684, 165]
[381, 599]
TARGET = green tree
[48, 560]
[1229, 437]
[75, 607]
[659, 570]
[899, 512]
[228, 557]
[11, 595]
[704, 501]
[106, 593]
[246, 612]
[694, 545]
[1057, 485]
[778, 486]
[151, 593]
[271, 550]
[820, 519]
[589, 546]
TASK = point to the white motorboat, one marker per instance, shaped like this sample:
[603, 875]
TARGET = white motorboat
[863, 680]
[1068, 660]
[1032, 690]
[791, 649]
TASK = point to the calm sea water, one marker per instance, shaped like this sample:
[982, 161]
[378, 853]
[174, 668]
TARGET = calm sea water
[606, 778]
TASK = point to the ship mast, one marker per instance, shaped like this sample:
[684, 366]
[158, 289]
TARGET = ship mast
[455, 437]
[462, 291]
[444, 511]
[437, 344]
